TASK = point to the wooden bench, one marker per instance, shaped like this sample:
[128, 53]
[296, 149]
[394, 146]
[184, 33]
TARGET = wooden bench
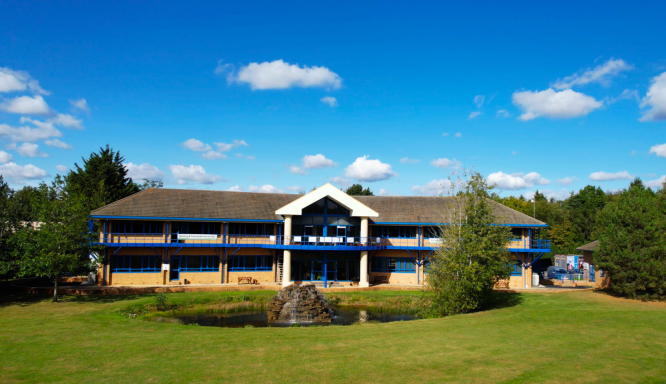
[245, 280]
[380, 280]
[502, 284]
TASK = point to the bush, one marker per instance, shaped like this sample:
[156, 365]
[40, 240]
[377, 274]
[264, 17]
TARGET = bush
[161, 302]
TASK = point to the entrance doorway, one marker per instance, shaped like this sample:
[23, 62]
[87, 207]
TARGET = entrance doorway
[329, 266]
[174, 269]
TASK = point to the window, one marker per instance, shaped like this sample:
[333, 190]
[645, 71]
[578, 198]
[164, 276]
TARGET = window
[199, 263]
[251, 263]
[136, 264]
[198, 228]
[252, 229]
[516, 234]
[516, 268]
[431, 232]
[393, 264]
[130, 226]
[394, 231]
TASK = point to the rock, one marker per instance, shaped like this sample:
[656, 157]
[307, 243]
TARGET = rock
[299, 303]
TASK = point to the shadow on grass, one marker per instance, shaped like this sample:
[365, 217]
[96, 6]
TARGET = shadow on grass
[504, 300]
[24, 299]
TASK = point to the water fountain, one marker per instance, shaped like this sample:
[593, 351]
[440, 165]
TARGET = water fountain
[299, 303]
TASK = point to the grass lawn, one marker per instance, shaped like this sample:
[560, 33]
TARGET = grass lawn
[572, 337]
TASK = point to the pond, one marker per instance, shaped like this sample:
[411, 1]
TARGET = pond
[259, 318]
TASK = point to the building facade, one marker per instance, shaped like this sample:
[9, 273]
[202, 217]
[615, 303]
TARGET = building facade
[172, 236]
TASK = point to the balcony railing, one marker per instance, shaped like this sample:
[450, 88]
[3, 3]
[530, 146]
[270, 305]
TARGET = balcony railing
[540, 244]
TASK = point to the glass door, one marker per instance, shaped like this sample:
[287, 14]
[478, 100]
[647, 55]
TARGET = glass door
[317, 270]
[174, 268]
[331, 271]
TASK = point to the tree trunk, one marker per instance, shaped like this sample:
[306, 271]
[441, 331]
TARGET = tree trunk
[55, 290]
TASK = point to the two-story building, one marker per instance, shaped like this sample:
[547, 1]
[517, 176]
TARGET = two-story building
[177, 236]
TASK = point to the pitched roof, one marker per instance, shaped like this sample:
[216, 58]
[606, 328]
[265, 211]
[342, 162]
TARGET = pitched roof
[589, 247]
[216, 205]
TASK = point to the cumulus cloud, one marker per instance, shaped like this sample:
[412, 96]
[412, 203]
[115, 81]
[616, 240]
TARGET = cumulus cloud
[20, 173]
[30, 150]
[433, 188]
[446, 163]
[225, 147]
[383, 192]
[659, 150]
[26, 105]
[655, 100]
[364, 169]
[235, 188]
[317, 161]
[16, 81]
[143, 171]
[605, 176]
[212, 155]
[567, 180]
[281, 75]
[627, 94]
[502, 113]
[80, 104]
[67, 121]
[266, 188]
[55, 143]
[295, 188]
[657, 183]
[516, 180]
[61, 168]
[42, 131]
[557, 105]
[406, 160]
[474, 114]
[600, 74]
[196, 145]
[296, 170]
[193, 173]
[550, 194]
[340, 181]
[5, 157]
[331, 101]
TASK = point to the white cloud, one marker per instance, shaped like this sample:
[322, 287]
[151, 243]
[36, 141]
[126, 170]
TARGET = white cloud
[659, 150]
[235, 188]
[266, 188]
[280, 75]
[605, 176]
[550, 194]
[479, 100]
[406, 160]
[19, 173]
[599, 74]
[30, 150]
[193, 173]
[317, 161]
[458, 135]
[517, 180]
[364, 169]
[445, 134]
[224, 147]
[567, 180]
[625, 95]
[196, 145]
[13, 81]
[5, 157]
[657, 183]
[67, 121]
[558, 105]
[446, 163]
[81, 104]
[341, 181]
[57, 144]
[61, 168]
[26, 105]
[433, 188]
[383, 192]
[655, 100]
[502, 113]
[212, 155]
[143, 171]
[296, 170]
[474, 114]
[295, 188]
[43, 131]
[331, 101]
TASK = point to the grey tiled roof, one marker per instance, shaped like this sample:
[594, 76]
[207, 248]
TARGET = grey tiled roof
[189, 204]
[589, 247]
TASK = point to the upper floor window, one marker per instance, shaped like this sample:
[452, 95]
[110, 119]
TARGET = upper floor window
[132, 226]
[325, 206]
[432, 232]
[199, 228]
[250, 229]
[394, 231]
[516, 233]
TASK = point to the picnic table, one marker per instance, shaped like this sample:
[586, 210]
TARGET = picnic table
[245, 280]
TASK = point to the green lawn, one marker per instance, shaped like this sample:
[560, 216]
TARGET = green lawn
[572, 337]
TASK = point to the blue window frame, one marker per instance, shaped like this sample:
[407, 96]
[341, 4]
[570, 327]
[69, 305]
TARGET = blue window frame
[197, 228]
[516, 234]
[199, 263]
[431, 232]
[394, 231]
[250, 229]
[132, 226]
[516, 268]
[251, 263]
[393, 264]
[136, 264]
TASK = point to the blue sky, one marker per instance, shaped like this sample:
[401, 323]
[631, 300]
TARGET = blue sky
[395, 96]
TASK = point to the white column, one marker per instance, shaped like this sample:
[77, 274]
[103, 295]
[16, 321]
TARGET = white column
[364, 254]
[287, 229]
[286, 266]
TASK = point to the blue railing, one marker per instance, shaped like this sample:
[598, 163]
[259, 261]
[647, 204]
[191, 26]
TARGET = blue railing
[540, 244]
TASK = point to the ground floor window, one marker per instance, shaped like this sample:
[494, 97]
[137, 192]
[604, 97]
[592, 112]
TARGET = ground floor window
[334, 266]
[251, 263]
[136, 264]
[393, 264]
[516, 268]
[199, 264]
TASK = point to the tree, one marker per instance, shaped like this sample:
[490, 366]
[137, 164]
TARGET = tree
[22, 203]
[473, 253]
[582, 209]
[150, 184]
[8, 225]
[102, 180]
[62, 242]
[357, 190]
[632, 243]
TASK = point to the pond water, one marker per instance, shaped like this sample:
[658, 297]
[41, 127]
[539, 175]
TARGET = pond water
[342, 316]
